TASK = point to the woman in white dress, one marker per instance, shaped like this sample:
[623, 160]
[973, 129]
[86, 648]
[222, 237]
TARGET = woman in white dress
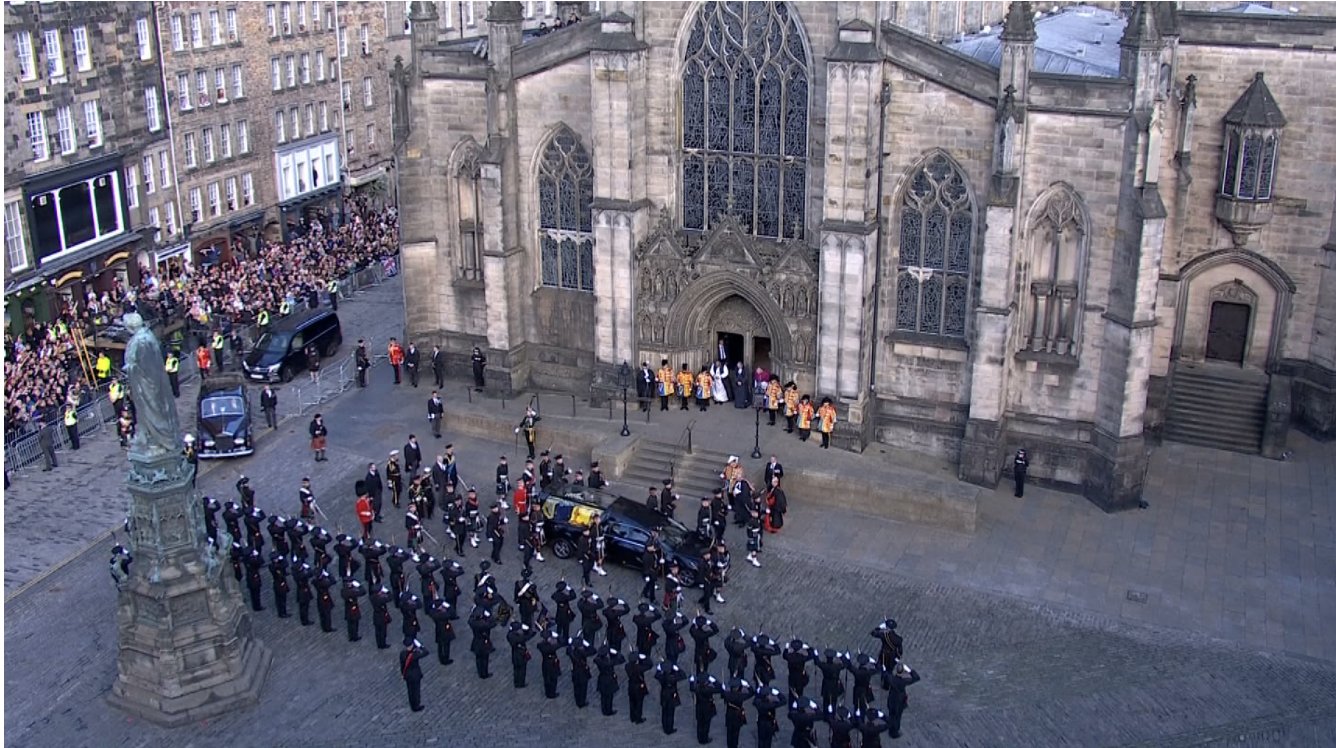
[718, 372]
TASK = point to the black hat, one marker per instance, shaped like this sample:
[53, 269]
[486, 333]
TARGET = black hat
[593, 465]
[408, 641]
[544, 453]
[450, 446]
[485, 565]
[888, 624]
[243, 481]
[526, 574]
[667, 481]
[558, 457]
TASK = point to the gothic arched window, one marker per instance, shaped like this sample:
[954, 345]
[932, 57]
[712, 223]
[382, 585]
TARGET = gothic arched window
[565, 219]
[745, 90]
[936, 247]
[1058, 245]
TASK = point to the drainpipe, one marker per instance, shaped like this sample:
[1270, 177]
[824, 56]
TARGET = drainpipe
[882, 101]
[171, 139]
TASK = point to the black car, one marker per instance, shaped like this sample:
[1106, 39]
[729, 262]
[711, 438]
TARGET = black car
[627, 526]
[224, 417]
[280, 353]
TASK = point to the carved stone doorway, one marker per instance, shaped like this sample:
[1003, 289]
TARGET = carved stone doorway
[740, 333]
[1227, 332]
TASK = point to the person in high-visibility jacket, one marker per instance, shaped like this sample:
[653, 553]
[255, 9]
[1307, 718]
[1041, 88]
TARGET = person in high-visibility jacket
[805, 414]
[72, 424]
[826, 421]
[173, 368]
[103, 366]
[115, 393]
[285, 308]
[202, 360]
[333, 288]
[218, 344]
[262, 319]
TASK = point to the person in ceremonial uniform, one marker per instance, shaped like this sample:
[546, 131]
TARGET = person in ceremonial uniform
[864, 669]
[636, 688]
[607, 661]
[797, 654]
[767, 701]
[410, 668]
[1020, 466]
[324, 602]
[736, 696]
[529, 425]
[644, 622]
[704, 688]
[518, 638]
[685, 380]
[645, 386]
[826, 421]
[897, 698]
[774, 397]
[704, 389]
[870, 723]
[702, 629]
[394, 476]
[548, 647]
[804, 714]
[806, 414]
[278, 568]
[409, 604]
[673, 644]
[580, 651]
[451, 571]
[380, 615]
[301, 574]
[666, 381]
[563, 597]
[396, 355]
[481, 622]
[791, 402]
[615, 633]
[319, 437]
[669, 675]
[442, 613]
[892, 648]
[832, 667]
[841, 725]
[254, 561]
[737, 645]
[763, 648]
[363, 362]
[352, 610]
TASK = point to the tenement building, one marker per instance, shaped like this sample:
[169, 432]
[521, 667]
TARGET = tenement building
[1075, 233]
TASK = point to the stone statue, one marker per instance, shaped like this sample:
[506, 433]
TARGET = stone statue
[157, 431]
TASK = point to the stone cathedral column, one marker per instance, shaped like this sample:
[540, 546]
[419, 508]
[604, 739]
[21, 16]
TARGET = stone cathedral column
[848, 233]
[617, 73]
[981, 457]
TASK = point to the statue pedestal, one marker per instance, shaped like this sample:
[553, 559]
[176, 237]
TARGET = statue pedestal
[186, 651]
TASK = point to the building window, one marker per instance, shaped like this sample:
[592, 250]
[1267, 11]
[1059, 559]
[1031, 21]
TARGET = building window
[149, 187]
[65, 141]
[144, 38]
[368, 97]
[164, 168]
[183, 92]
[16, 251]
[744, 132]
[565, 195]
[155, 220]
[371, 137]
[276, 73]
[364, 36]
[215, 28]
[231, 193]
[190, 153]
[247, 189]
[232, 34]
[178, 34]
[170, 210]
[343, 42]
[196, 31]
[77, 215]
[215, 203]
[1059, 241]
[220, 84]
[469, 19]
[271, 14]
[315, 14]
[280, 127]
[301, 16]
[329, 18]
[310, 119]
[132, 186]
[936, 249]
[351, 138]
[292, 70]
[347, 96]
[92, 123]
[153, 109]
[238, 89]
[324, 116]
[319, 65]
[1250, 165]
[27, 67]
[243, 136]
[286, 9]
[306, 67]
[55, 60]
[83, 57]
[41, 151]
[225, 139]
[208, 145]
[202, 87]
[195, 211]
[447, 19]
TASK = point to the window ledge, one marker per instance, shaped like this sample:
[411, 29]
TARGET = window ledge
[1049, 359]
[930, 341]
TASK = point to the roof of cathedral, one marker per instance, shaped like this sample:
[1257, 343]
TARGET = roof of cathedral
[1256, 9]
[1256, 107]
[1079, 40]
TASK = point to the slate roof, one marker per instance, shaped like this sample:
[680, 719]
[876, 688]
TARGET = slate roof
[1079, 40]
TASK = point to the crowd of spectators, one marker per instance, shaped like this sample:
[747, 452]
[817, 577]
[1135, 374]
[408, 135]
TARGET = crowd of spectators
[42, 368]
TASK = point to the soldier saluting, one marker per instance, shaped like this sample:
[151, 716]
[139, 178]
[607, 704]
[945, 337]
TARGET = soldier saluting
[548, 647]
[607, 661]
[518, 638]
[704, 687]
[481, 622]
[410, 668]
[442, 613]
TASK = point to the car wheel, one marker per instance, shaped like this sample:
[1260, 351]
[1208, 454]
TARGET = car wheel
[562, 548]
[331, 347]
[688, 578]
[285, 373]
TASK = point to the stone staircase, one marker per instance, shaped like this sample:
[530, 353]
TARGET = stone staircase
[1220, 407]
[694, 475]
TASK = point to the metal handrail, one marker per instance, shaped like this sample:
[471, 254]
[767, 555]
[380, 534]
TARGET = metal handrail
[686, 437]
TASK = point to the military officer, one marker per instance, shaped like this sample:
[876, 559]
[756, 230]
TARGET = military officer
[410, 669]
[736, 644]
[580, 651]
[636, 689]
[442, 613]
[518, 638]
[832, 666]
[702, 629]
[563, 596]
[394, 475]
[481, 622]
[897, 699]
[301, 574]
[892, 648]
[763, 648]
[645, 634]
[409, 605]
[669, 675]
[278, 567]
[607, 661]
[380, 615]
[324, 602]
[767, 701]
[590, 604]
[704, 687]
[615, 633]
[803, 713]
[211, 508]
[736, 696]
[352, 611]
[254, 561]
[548, 646]
[797, 654]
[673, 644]
[371, 553]
[864, 669]
[871, 724]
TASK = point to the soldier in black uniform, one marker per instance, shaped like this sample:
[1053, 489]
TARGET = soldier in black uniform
[713, 576]
[736, 696]
[767, 701]
[484, 578]
[673, 644]
[352, 611]
[502, 480]
[892, 649]
[380, 615]
[409, 604]
[324, 602]
[320, 538]
[297, 531]
[442, 613]
[544, 468]
[301, 574]
[763, 648]
[607, 661]
[1019, 467]
[736, 644]
[563, 596]
[590, 604]
[797, 655]
[841, 727]
[481, 622]
[518, 638]
[702, 629]
[237, 555]
[897, 698]
[871, 724]
[412, 456]
[394, 476]
[427, 566]
[651, 564]
[526, 597]
[411, 669]
[457, 521]
[704, 687]
[451, 571]
[344, 546]
[580, 651]
[371, 553]
[254, 562]
[396, 557]
[278, 567]
[636, 688]
[253, 520]
[645, 634]
[864, 670]
[277, 528]
[595, 479]
[548, 646]
[668, 499]
[832, 667]
[306, 500]
[803, 713]
[496, 532]
[232, 519]
[669, 675]
[246, 493]
[211, 508]
[615, 634]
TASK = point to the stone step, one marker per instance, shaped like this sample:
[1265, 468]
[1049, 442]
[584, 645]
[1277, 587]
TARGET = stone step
[1217, 380]
[1214, 399]
[1211, 411]
[1210, 437]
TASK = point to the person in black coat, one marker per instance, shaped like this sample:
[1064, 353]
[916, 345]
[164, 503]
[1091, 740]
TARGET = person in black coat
[668, 676]
[254, 562]
[673, 644]
[607, 661]
[269, 404]
[518, 638]
[864, 670]
[797, 655]
[409, 604]
[803, 713]
[871, 724]
[481, 622]
[496, 532]
[832, 667]
[442, 613]
[278, 567]
[438, 365]
[701, 630]
[736, 644]
[352, 610]
[374, 488]
[646, 386]
[897, 698]
[563, 596]
[636, 688]
[412, 456]
[410, 668]
[590, 604]
[548, 647]
[396, 557]
[380, 615]
[841, 725]
[324, 602]
[1019, 467]
[892, 648]
[644, 622]
[736, 696]
[580, 651]
[412, 359]
[479, 362]
[211, 508]
[767, 701]
[615, 633]
[704, 688]
[763, 648]
[301, 574]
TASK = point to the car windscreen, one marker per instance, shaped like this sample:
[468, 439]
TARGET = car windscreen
[673, 532]
[214, 407]
[273, 343]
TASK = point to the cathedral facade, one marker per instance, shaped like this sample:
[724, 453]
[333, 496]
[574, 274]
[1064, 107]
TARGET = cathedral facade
[1036, 237]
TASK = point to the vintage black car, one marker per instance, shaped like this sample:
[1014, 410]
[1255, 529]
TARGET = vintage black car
[224, 417]
[626, 525]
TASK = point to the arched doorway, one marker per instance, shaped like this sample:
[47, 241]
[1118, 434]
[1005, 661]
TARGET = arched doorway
[729, 308]
[740, 334]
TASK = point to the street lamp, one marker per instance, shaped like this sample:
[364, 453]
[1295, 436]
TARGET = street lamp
[623, 381]
[756, 449]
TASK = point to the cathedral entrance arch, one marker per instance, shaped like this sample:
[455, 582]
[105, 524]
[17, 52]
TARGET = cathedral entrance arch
[730, 313]
[742, 334]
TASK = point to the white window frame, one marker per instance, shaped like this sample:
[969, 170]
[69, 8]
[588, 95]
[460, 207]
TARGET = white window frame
[189, 151]
[347, 95]
[291, 62]
[144, 38]
[371, 136]
[196, 31]
[286, 11]
[310, 118]
[364, 36]
[92, 123]
[343, 41]
[155, 220]
[315, 14]
[83, 56]
[271, 15]
[368, 92]
[170, 210]
[209, 152]
[275, 74]
[66, 142]
[470, 20]
[37, 139]
[178, 33]
[319, 66]
[23, 49]
[233, 35]
[301, 16]
[230, 193]
[247, 189]
[215, 28]
[306, 67]
[324, 116]
[132, 186]
[16, 244]
[295, 123]
[184, 101]
[55, 58]
[225, 140]
[449, 16]
[220, 85]
[196, 206]
[149, 186]
[238, 83]
[202, 92]
[153, 109]
[280, 127]
[243, 136]
[215, 201]
[164, 168]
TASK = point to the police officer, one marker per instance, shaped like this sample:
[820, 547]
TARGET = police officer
[352, 611]
[219, 344]
[442, 613]
[278, 567]
[767, 701]
[644, 621]
[669, 675]
[324, 602]
[410, 669]
[333, 288]
[580, 651]
[301, 574]
[380, 615]
[797, 654]
[607, 661]
[704, 687]
[518, 638]
[563, 596]
[481, 622]
[548, 646]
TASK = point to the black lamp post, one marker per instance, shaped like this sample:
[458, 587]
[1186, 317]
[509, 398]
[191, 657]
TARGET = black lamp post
[624, 380]
[756, 449]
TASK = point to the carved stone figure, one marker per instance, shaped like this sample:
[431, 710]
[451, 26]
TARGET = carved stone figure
[157, 432]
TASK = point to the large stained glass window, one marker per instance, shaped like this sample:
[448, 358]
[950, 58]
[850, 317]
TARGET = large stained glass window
[565, 219]
[744, 119]
[936, 247]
